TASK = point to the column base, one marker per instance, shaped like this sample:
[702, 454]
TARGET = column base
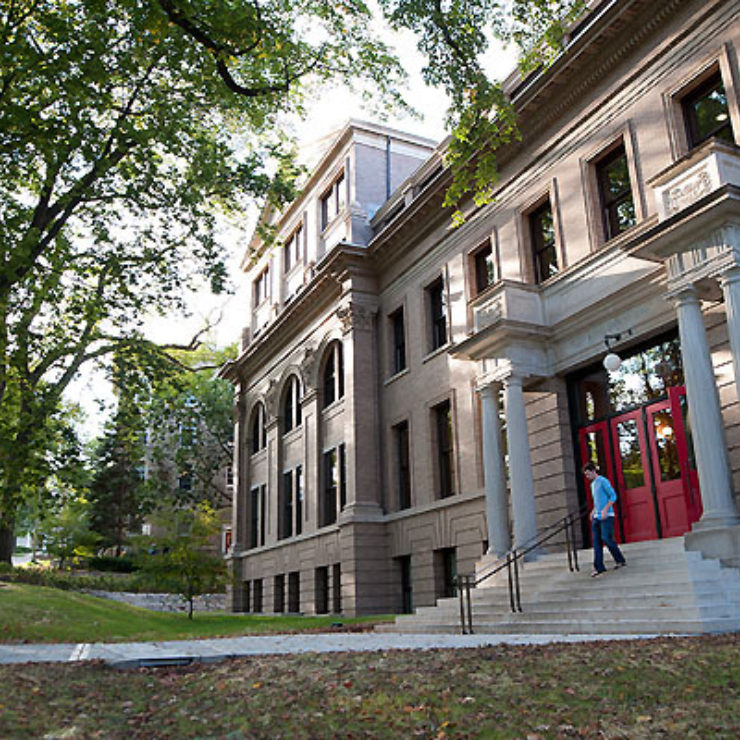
[720, 542]
[710, 522]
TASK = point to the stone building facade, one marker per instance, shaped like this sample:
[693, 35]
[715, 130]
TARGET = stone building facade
[413, 398]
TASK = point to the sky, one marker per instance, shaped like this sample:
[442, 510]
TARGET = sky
[329, 113]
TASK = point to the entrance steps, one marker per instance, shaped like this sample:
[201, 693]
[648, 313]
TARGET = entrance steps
[663, 590]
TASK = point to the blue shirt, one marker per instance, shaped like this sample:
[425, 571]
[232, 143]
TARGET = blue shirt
[602, 493]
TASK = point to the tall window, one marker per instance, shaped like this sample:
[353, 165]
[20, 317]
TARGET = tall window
[615, 193]
[286, 506]
[257, 508]
[342, 477]
[261, 287]
[398, 341]
[333, 378]
[706, 113]
[484, 267]
[403, 467]
[437, 307]
[442, 415]
[332, 202]
[258, 429]
[331, 488]
[544, 251]
[292, 405]
[298, 500]
[292, 251]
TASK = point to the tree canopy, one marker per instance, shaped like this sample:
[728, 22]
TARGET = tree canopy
[126, 125]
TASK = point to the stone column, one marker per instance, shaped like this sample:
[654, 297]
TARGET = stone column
[730, 282]
[520, 463]
[497, 505]
[712, 460]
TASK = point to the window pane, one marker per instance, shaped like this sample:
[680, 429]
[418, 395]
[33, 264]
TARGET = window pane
[629, 451]
[399, 341]
[707, 114]
[329, 380]
[485, 273]
[665, 440]
[542, 230]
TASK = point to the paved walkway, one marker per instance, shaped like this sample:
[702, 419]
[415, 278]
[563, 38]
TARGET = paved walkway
[139, 654]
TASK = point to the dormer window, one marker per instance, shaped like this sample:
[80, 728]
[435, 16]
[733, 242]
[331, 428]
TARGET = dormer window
[333, 201]
[262, 286]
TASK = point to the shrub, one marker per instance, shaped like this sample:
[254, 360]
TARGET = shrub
[112, 564]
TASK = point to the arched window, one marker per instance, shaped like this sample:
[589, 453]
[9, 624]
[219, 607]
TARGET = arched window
[258, 429]
[292, 405]
[333, 377]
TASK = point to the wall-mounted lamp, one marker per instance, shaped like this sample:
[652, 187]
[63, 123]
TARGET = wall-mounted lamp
[612, 361]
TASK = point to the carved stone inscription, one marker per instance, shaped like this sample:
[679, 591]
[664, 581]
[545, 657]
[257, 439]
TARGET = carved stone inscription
[680, 196]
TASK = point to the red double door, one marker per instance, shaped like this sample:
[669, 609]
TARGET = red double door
[647, 454]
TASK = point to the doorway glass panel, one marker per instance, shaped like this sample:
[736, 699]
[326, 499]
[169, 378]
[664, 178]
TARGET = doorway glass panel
[629, 451]
[667, 448]
[595, 449]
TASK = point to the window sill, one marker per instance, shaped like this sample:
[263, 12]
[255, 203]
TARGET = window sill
[332, 221]
[256, 457]
[439, 351]
[397, 376]
[293, 434]
[333, 409]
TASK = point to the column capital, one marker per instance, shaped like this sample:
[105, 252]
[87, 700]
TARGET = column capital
[489, 388]
[684, 295]
[730, 276]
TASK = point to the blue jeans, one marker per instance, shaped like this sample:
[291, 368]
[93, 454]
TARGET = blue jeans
[603, 534]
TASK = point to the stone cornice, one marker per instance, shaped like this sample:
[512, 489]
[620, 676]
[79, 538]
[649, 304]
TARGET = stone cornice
[324, 288]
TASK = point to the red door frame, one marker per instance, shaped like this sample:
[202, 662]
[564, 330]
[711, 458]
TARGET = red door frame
[678, 501]
[599, 427]
[637, 505]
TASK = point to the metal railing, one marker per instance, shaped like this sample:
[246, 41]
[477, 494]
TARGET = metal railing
[510, 562]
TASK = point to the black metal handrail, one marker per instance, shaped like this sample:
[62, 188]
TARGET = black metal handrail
[510, 561]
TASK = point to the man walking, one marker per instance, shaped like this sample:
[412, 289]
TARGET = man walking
[602, 520]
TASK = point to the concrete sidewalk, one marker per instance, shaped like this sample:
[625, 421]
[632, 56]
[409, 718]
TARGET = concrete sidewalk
[184, 652]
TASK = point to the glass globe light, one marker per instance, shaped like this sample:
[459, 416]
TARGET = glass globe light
[612, 362]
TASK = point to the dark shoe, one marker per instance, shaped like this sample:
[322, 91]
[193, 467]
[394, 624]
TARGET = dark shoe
[620, 565]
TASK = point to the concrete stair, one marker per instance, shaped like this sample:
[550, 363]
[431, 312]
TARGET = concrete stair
[663, 590]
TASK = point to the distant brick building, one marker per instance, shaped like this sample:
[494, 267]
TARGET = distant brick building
[411, 396]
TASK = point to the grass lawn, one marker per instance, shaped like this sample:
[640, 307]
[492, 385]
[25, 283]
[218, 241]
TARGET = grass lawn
[664, 688]
[38, 614]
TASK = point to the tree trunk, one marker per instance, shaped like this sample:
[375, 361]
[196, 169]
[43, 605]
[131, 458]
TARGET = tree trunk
[7, 541]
